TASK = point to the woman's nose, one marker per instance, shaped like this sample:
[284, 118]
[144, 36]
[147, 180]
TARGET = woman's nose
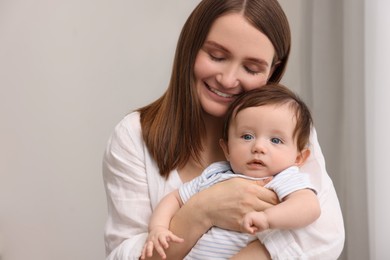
[228, 77]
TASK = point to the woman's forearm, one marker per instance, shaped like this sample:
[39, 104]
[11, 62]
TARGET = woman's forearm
[216, 207]
[255, 250]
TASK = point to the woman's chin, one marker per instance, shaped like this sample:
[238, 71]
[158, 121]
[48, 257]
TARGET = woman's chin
[216, 113]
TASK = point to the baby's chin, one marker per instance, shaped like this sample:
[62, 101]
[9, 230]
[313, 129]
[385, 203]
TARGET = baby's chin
[256, 173]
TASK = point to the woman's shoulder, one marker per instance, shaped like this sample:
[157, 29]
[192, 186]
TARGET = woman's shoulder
[128, 130]
[131, 120]
[130, 123]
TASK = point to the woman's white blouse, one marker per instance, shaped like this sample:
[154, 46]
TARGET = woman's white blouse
[134, 187]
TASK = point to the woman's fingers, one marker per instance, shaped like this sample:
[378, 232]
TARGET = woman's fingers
[259, 205]
[263, 182]
[226, 209]
[266, 195]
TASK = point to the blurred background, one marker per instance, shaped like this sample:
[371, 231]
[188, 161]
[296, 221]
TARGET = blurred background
[70, 70]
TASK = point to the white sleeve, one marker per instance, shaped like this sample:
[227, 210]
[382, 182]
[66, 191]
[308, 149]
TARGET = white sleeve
[128, 201]
[289, 181]
[323, 239]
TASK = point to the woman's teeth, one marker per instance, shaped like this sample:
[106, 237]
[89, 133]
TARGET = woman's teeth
[219, 93]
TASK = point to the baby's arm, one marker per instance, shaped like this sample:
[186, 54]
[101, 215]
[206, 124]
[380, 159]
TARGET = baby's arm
[297, 210]
[159, 234]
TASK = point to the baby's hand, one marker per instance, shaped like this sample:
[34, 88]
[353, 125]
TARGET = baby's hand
[255, 222]
[159, 238]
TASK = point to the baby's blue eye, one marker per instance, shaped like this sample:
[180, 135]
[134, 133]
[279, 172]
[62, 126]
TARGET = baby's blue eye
[247, 137]
[276, 140]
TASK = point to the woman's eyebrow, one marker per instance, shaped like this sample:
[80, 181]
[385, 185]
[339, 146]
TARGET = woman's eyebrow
[217, 45]
[259, 61]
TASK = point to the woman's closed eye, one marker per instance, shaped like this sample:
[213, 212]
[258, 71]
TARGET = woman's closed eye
[254, 67]
[253, 72]
[216, 54]
[217, 58]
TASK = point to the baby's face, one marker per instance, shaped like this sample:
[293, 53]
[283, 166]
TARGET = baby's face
[261, 141]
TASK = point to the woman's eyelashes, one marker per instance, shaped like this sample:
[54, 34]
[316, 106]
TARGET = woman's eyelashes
[254, 67]
[216, 58]
[251, 69]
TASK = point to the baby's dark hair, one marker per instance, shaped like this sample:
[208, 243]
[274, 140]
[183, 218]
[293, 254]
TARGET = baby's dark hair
[273, 94]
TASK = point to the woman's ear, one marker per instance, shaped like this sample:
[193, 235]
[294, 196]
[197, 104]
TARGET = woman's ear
[225, 148]
[302, 156]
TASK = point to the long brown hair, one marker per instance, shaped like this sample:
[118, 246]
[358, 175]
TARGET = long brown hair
[172, 126]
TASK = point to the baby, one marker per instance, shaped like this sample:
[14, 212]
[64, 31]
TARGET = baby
[265, 138]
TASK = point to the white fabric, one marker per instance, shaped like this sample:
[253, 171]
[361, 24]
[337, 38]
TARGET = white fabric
[134, 187]
[218, 243]
[288, 181]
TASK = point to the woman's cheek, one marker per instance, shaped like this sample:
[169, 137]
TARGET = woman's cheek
[203, 66]
[255, 83]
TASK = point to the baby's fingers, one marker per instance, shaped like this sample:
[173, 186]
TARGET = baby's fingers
[246, 226]
[160, 244]
[147, 251]
[251, 230]
[162, 241]
[175, 238]
[161, 252]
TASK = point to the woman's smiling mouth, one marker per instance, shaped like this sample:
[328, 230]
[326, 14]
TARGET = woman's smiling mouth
[219, 93]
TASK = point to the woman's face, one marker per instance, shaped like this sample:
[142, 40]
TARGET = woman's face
[235, 57]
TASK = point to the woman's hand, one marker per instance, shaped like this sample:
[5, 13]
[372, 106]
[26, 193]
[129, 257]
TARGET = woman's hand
[223, 205]
[226, 203]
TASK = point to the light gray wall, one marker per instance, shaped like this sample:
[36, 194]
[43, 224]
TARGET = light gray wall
[69, 71]
[377, 95]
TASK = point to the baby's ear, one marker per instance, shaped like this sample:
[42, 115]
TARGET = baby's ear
[302, 156]
[225, 148]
